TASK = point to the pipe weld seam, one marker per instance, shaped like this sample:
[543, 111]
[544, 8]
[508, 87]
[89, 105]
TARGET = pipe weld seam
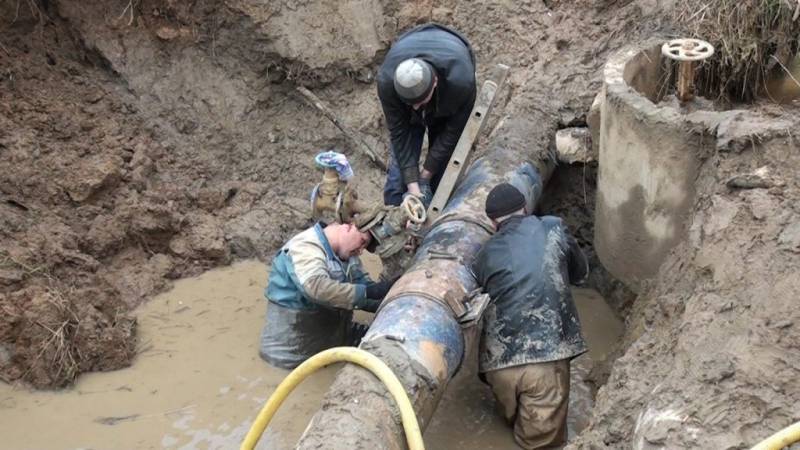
[420, 294]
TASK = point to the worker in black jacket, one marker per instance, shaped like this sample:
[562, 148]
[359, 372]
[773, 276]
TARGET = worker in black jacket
[531, 328]
[427, 81]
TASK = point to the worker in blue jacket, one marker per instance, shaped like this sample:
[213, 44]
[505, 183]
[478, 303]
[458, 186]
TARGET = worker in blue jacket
[315, 283]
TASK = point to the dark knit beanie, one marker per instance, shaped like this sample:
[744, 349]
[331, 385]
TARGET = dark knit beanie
[504, 199]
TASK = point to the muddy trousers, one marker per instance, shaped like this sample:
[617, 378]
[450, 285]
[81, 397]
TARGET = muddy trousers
[290, 336]
[534, 398]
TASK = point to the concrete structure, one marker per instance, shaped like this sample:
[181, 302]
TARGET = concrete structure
[574, 145]
[648, 162]
[650, 151]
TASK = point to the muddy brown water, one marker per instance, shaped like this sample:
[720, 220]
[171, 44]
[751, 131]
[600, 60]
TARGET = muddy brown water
[198, 381]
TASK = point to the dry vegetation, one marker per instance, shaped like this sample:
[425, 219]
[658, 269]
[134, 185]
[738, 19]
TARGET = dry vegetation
[53, 336]
[752, 38]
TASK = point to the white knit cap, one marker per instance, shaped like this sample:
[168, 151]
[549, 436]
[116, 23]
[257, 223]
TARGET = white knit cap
[413, 80]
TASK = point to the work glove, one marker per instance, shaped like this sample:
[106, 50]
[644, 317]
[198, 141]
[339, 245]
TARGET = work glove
[425, 190]
[368, 304]
[425, 193]
[378, 289]
[375, 293]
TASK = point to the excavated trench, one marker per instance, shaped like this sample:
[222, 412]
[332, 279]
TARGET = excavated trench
[197, 381]
[150, 142]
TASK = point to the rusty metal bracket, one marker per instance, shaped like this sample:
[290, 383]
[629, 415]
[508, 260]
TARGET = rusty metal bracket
[476, 305]
[459, 309]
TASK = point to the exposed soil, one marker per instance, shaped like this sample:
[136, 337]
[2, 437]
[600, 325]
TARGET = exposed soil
[711, 357]
[142, 142]
[570, 194]
[149, 143]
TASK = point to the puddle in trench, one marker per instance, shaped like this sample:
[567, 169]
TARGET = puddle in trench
[198, 382]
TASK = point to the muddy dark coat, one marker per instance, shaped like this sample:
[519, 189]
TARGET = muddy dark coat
[452, 58]
[526, 269]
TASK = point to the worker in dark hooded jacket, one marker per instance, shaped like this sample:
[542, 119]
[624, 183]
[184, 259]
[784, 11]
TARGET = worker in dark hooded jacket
[531, 328]
[315, 283]
[426, 82]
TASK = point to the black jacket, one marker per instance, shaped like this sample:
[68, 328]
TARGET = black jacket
[451, 56]
[526, 269]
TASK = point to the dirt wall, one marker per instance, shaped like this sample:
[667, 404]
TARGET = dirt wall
[711, 348]
[140, 145]
[712, 344]
[148, 142]
[133, 155]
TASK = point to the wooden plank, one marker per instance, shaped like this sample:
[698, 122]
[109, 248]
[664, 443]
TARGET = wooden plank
[477, 120]
[352, 135]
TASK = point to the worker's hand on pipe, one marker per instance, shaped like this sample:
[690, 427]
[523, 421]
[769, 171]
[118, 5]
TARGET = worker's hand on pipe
[378, 289]
[412, 242]
[425, 191]
[369, 304]
[422, 190]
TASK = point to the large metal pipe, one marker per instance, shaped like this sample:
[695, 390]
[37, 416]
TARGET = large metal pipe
[416, 331]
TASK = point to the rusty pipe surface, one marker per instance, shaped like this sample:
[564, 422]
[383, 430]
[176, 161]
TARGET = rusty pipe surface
[415, 331]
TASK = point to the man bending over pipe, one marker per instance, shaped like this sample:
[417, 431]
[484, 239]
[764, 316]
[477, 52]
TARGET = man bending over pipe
[315, 283]
[426, 81]
[531, 330]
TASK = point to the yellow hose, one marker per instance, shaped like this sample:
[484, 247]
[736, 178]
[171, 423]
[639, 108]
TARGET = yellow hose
[326, 358]
[781, 439]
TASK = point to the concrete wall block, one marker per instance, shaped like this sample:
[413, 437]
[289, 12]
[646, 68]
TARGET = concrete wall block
[647, 167]
[650, 152]
[593, 121]
[574, 145]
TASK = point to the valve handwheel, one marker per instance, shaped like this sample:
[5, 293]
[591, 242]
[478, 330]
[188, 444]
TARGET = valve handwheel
[686, 52]
[687, 49]
[414, 209]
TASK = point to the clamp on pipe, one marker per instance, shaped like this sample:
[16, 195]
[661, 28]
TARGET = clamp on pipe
[324, 359]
